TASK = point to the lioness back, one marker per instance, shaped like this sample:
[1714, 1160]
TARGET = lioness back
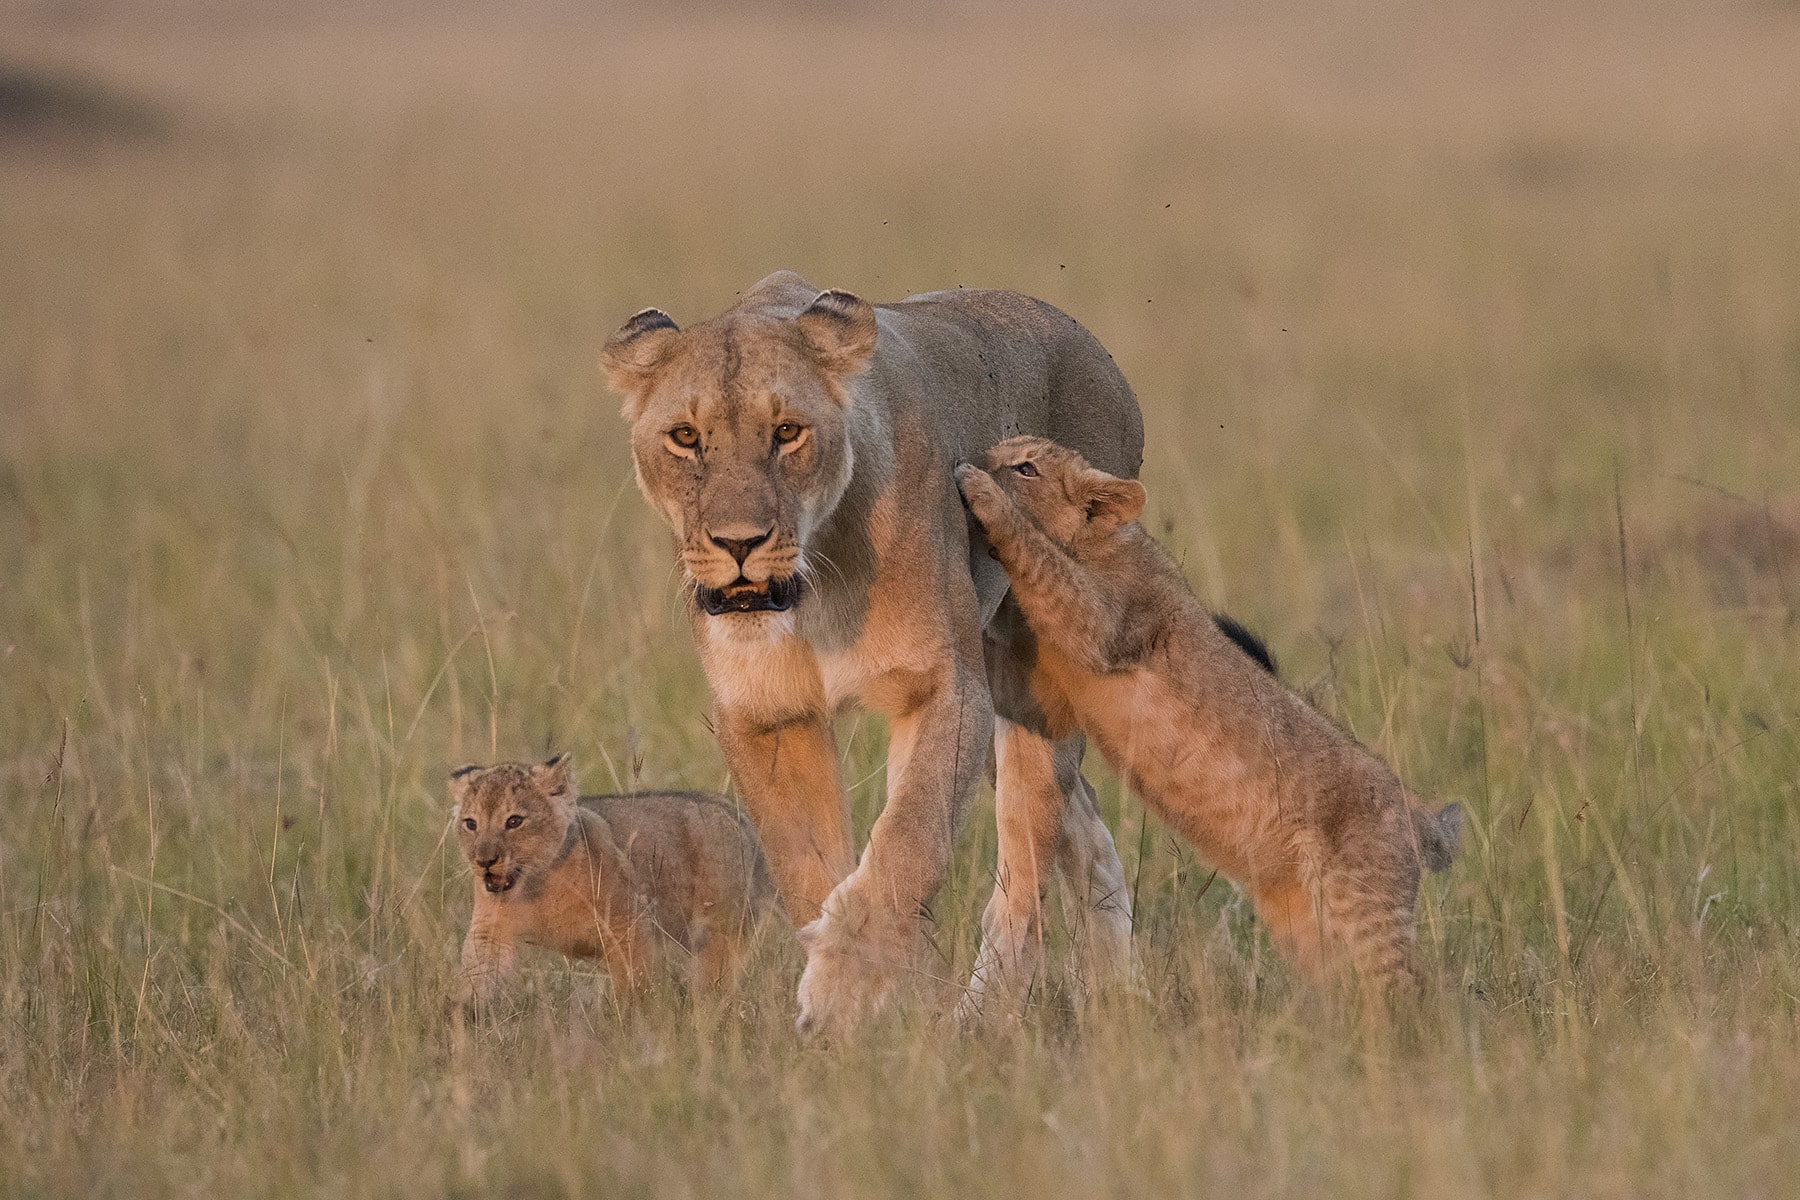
[1065, 386]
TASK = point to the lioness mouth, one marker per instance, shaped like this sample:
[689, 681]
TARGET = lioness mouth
[742, 596]
[499, 883]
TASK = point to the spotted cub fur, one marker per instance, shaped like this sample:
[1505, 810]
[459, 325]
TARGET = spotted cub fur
[613, 878]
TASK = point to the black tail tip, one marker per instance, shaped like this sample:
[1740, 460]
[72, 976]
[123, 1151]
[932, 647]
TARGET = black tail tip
[1246, 641]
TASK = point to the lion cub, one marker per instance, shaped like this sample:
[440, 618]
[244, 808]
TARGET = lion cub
[1313, 826]
[603, 877]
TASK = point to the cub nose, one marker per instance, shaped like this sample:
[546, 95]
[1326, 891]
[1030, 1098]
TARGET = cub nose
[484, 861]
[740, 547]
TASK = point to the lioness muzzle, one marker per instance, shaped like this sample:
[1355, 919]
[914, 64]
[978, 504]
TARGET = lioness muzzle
[779, 596]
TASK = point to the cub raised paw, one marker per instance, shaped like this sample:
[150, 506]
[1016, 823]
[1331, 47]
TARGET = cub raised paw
[983, 496]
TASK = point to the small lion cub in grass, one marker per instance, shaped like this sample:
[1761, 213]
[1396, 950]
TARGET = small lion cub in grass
[603, 877]
[1314, 827]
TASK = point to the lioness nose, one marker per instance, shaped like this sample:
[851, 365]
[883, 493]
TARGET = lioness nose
[740, 547]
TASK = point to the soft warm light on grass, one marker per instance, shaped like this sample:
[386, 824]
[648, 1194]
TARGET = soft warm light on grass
[309, 491]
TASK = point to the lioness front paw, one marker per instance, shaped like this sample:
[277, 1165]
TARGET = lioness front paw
[979, 491]
[857, 955]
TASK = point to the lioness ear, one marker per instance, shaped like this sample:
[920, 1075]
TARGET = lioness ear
[839, 328]
[634, 352]
[1111, 501]
[556, 777]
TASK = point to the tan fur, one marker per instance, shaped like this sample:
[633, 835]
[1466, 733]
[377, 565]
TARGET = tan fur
[1315, 827]
[611, 878]
[800, 446]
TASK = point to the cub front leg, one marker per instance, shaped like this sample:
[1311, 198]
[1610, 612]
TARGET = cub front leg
[489, 952]
[1058, 596]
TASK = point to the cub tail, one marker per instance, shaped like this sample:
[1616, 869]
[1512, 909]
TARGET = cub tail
[1440, 835]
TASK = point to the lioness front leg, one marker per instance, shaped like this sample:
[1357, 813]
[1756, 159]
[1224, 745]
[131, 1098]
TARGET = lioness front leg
[866, 940]
[787, 773]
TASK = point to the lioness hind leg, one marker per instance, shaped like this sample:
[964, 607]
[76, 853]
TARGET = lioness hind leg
[1096, 898]
[1028, 811]
[1048, 817]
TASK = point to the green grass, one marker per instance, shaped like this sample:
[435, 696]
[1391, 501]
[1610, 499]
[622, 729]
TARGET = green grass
[1469, 348]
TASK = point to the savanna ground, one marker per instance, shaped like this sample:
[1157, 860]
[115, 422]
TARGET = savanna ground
[1469, 347]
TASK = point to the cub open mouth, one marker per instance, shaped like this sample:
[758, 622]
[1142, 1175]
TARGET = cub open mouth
[742, 596]
[499, 883]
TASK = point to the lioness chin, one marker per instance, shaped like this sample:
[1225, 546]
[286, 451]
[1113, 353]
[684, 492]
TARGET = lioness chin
[1316, 828]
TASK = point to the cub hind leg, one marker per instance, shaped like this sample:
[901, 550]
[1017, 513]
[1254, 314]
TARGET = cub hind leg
[1370, 908]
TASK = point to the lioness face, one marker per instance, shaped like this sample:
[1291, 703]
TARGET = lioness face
[513, 819]
[1069, 500]
[739, 435]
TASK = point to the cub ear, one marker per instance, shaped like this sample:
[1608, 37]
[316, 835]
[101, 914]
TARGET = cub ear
[839, 328]
[633, 354]
[556, 777]
[460, 780]
[1111, 501]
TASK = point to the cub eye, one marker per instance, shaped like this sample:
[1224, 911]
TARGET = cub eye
[788, 432]
[514, 821]
[685, 436]
[1027, 469]
[469, 824]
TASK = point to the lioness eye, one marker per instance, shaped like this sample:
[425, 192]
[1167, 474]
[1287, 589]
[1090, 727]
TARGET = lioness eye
[469, 824]
[685, 436]
[1028, 470]
[787, 431]
[514, 821]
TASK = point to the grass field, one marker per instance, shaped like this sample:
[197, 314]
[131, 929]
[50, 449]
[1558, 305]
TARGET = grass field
[1469, 348]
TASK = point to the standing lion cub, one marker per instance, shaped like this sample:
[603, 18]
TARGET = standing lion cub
[1313, 826]
[603, 877]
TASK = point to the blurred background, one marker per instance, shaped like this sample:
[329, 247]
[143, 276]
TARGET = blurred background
[1468, 340]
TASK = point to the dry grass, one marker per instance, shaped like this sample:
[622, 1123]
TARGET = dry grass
[308, 489]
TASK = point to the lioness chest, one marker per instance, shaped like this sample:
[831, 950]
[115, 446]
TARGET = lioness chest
[780, 675]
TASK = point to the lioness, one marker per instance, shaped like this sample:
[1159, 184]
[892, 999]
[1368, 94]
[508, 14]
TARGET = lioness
[603, 877]
[800, 446]
[1316, 828]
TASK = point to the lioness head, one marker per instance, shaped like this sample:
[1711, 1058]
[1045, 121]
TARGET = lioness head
[738, 430]
[1069, 500]
[513, 819]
